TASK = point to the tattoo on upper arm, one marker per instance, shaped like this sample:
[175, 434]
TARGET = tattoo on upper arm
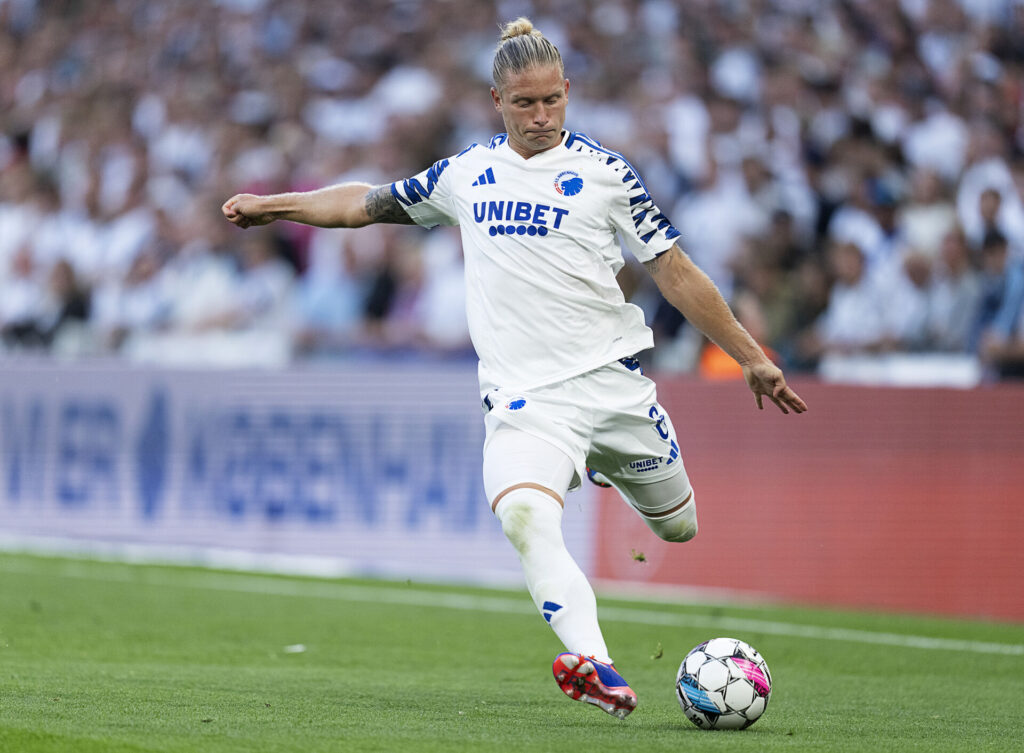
[667, 263]
[382, 206]
[656, 264]
[653, 265]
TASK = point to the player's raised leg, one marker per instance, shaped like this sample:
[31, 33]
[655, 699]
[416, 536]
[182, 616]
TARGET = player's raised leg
[667, 506]
[638, 454]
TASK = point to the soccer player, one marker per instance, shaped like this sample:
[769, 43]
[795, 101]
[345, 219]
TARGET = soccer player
[539, 209]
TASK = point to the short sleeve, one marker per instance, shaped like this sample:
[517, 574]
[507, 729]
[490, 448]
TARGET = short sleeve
[644, 230]
[427, 197]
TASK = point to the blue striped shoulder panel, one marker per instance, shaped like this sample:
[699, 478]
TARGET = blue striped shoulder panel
[647, 218]
[413, 191]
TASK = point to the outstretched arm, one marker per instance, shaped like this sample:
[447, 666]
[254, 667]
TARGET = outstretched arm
[691, 291]
[344, 205]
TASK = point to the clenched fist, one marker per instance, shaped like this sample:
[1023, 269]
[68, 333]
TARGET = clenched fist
[246, 210]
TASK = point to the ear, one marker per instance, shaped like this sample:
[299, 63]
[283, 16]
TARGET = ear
[567, 89]
[497, 99]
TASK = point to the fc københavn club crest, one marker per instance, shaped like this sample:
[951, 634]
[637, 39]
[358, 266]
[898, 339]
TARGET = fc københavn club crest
[568, 183]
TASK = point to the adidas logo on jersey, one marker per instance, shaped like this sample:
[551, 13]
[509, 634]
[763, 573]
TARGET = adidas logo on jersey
[485, 179]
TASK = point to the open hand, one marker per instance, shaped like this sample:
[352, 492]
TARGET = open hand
[767, 379]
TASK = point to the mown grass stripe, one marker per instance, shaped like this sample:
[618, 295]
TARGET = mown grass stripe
[413, 596]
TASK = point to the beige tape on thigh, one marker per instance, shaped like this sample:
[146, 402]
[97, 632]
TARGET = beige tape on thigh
[530, 485]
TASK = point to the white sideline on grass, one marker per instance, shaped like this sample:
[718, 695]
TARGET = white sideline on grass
[420, 597]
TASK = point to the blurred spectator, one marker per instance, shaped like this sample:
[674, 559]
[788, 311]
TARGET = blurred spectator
[954, 299]
[259, 293]
[927, 217]
[136, 303]
[69, 303]
[23, 304]
[34, 313]
[999, 326]
[853, 321]
[716, 217]
[905, 303]
[775, 293]
[328, 307]
[1002, 288]
[1006, 356]
[439, 315]
[988, 199]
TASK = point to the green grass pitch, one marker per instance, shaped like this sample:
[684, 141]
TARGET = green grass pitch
[110, 657]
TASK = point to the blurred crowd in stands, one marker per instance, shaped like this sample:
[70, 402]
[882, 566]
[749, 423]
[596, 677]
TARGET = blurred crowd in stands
[849, 172]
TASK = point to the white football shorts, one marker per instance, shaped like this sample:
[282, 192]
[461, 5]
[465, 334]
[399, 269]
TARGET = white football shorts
[607, 419]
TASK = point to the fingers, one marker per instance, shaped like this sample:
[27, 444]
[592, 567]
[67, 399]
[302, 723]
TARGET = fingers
[238, 219]
[787, 396]
[768, 380]
[232, 214]
[780, 404]
[779, 393]
[228, 210]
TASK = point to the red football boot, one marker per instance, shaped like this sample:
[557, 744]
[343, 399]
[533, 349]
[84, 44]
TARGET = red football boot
[586, 679]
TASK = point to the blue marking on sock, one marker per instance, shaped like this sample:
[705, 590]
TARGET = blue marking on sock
[549, 609]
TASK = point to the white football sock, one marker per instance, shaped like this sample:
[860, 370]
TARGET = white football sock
[532, 521]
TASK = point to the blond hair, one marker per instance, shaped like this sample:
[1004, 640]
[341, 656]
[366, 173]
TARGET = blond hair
[522, 47]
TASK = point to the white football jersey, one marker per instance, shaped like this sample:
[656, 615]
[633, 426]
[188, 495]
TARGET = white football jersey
[541, 255]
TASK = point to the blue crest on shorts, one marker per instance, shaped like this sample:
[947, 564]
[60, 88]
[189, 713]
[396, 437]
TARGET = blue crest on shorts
[517, 404]
[568, 183]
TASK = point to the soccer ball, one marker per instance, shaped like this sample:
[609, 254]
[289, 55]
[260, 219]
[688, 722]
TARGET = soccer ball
[723, 684]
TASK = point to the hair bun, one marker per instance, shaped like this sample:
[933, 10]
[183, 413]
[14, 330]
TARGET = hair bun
[521, 27]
